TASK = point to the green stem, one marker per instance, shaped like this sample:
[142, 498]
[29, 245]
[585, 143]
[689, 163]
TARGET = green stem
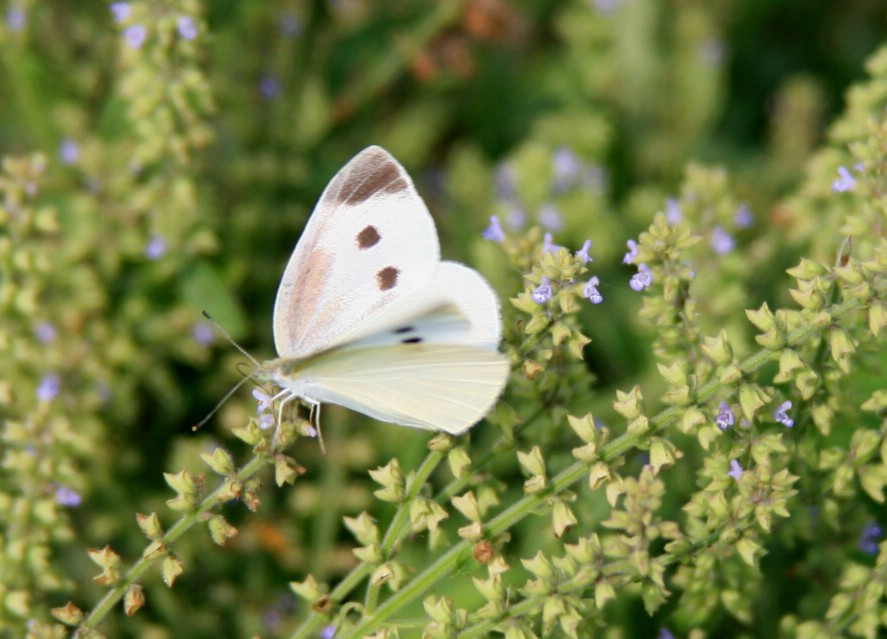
[401, 522]
[100, 611]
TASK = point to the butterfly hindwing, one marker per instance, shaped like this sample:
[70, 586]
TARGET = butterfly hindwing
[369, 242]
[431, 386]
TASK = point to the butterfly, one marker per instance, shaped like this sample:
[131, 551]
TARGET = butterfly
[367, 316]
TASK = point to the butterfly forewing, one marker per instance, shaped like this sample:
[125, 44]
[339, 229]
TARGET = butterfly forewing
[369, 243]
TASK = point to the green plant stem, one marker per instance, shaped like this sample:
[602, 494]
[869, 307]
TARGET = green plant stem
[461, 552]
[178, 529]
[401, 522]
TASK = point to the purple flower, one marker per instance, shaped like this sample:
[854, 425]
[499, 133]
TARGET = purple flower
[664, 633]
[590, 291]
[566, 168]
[606, 6]
[735, 469]
[328, 633]
[186, 27]
[135, 36]
[582, 253]
[269, 87]
[721, 241]
[16, 19]
[266, 421]
[494, 233]
[67, 497]
[542, 293]
[156, 247]
[45, 332]
[505, 181]
[632, 252]
[548, 246]
[673, 211]
[69, 152]
[310, 431]
[264, 400]
[725, 417]
[203, 333]
[290, 26]
[845, 182]
[781, 414]
[642, 279]
[868, 540]
[517, 218]
[121, 11]
[550, 217]
[744, 218]
[49, 387]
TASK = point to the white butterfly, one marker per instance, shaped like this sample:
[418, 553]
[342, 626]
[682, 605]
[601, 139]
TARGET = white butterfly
[367, 316]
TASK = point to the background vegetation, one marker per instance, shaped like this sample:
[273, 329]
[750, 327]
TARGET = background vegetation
[694, 470]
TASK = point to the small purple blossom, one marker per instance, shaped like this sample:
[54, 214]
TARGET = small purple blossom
[45, 332]
[16, 19]
[550, 217]
[269, 87]
[664, 633]
[156, 247]
[506, 182]
[673, 211]
[494, 232]
[566, 168]
[868, 539]
[121, 11]
[328, 632]
[186, 27]
[49, 387]
[632, 254]
[642, 279]
[542, 293]
[590, 291]
[744, 217]
[290, 26]
[67, 497]
[781, 414]
[135, 36]
[517, 218]
[548, 246]
[310, 431]
[845, 182]
[721, 241]
[724, 417]
[582, 254]
[736, 469]
[69, 151]
[606, 6]
[203, 333]
[266, 421]
[264, 400]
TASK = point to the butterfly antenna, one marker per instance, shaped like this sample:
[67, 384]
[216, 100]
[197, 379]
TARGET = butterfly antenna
[215, 410]
[230, 339]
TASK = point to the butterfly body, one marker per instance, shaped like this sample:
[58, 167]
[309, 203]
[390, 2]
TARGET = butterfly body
[367, 316]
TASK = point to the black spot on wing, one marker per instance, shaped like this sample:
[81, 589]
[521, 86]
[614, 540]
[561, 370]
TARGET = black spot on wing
[411, 340]
[368, 237]
[387, 278]
[403, 329]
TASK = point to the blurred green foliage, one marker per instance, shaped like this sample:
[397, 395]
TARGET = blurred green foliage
[160, 158]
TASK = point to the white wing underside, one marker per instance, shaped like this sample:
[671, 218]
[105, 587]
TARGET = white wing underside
[434, 387]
